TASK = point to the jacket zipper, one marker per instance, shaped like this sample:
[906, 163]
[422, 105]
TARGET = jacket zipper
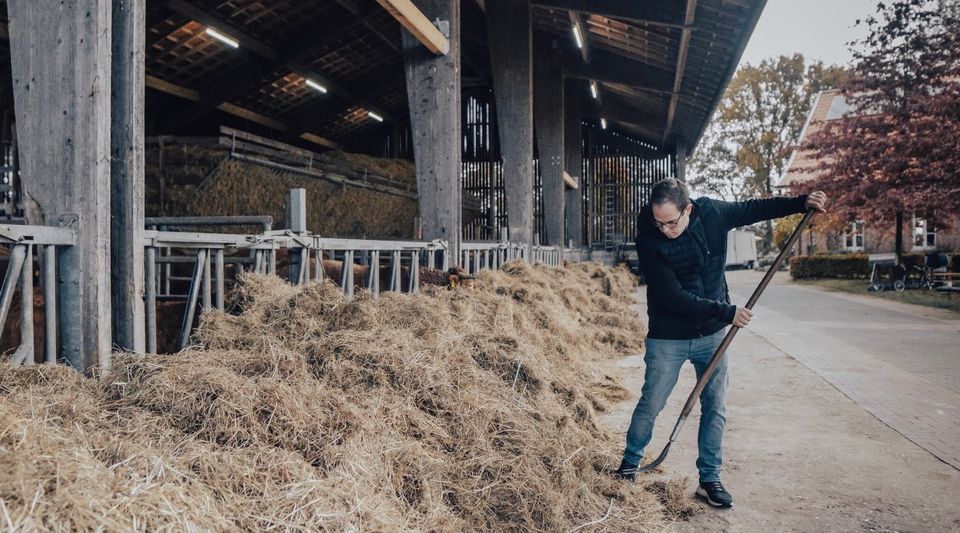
[706, 249]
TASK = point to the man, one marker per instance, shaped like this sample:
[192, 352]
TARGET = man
[682, 248]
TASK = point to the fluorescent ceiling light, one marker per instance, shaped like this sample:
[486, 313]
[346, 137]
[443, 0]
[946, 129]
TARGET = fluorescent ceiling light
[374, 116]
[576, 36]
[223, 38]
[316, 85]
[603, 123]
[593, 90]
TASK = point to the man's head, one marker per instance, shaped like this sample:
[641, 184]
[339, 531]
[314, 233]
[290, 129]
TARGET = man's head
[671, 207]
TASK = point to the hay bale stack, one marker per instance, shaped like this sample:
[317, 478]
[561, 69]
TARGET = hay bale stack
[202, 180]
[445, 410]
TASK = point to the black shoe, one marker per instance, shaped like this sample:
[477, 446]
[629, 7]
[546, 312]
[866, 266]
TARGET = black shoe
[627, 471]
[715, 494]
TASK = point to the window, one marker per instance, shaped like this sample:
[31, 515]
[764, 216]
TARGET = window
[924, 235]
[853, 236]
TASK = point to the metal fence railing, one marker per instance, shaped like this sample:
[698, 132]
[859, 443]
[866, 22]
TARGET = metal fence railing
[23, 242]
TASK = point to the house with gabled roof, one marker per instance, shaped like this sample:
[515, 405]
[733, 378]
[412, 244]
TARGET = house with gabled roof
[919, 236]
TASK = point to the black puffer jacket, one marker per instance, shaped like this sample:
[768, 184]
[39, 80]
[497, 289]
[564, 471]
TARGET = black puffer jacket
[687, 293]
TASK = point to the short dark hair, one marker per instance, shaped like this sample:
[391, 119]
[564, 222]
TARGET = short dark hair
[670, 190]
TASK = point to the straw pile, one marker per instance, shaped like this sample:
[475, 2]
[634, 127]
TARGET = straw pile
[450, 410]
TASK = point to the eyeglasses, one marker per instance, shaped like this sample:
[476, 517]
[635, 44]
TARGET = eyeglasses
[669, 225]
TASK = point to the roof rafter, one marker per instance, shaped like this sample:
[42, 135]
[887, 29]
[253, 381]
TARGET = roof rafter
[681, 67]
[645, 11]
[378, 86]
[619, 108]
[415, 22]
[270, 58]
[355, 9]
[195, 96]
[612, 68]
[576, 21]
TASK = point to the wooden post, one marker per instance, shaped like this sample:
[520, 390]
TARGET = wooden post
[899, 237]
[60, 56]
[508, 27]
[126, 171]
[433, 94]
[548, 117]
[681, 162]
[573, 160]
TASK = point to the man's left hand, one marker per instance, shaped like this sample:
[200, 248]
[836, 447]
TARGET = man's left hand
[817, 200]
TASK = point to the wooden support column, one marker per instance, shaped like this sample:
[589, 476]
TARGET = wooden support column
[126, 171]
[573, 160]
[433, 94]
[509, 35]
[548, 119]
[60, 55]
[681, 162]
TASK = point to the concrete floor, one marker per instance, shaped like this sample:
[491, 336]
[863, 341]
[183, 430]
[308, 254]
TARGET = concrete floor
[806, 449]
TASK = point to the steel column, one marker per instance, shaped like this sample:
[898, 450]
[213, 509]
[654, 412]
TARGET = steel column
[50, 303]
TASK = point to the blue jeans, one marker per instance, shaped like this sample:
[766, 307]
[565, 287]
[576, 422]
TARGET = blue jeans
[663, 360]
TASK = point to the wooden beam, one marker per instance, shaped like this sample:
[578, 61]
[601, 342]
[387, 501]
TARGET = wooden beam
[252, 116]
[237, 111]
[681, 68]
[355, 10]
[434, 98]
[321, 141]
[576, 21]
[509, 35]
[61, 86]
[365, 91]
[127, 174]
[650, 12]
[417, 24]
[681, 160]
[164, 86]
[573, 159]
[548, 123]
[640, 129]
[570, 181]
[622, 109]
[612, 68]
[730, 69]
[349, 5]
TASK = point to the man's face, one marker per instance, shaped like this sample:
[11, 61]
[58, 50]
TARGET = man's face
[671, 220]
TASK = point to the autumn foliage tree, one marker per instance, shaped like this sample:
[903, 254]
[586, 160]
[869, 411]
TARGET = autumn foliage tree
[898, 150]
[757, 124]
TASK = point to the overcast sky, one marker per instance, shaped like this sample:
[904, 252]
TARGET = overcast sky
[819, 29]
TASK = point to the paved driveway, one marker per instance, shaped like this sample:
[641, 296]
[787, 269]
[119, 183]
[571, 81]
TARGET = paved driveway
[831, 424]
[899, 362]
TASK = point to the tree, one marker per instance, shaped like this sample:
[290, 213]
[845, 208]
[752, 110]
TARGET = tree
[898, 150]
[758, 123]
[714, 168]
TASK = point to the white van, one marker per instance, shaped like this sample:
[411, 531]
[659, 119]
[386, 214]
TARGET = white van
[741, 249]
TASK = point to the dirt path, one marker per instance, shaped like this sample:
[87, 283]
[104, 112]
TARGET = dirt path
[801, 456]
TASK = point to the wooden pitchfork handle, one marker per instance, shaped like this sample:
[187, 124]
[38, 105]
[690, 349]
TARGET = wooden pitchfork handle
[722, 349]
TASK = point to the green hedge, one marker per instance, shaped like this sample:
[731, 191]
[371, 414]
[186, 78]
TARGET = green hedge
[831, 266]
